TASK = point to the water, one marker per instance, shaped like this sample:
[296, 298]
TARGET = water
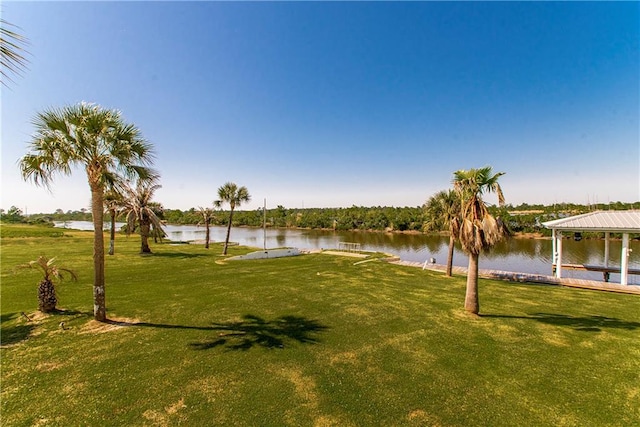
[518, 255]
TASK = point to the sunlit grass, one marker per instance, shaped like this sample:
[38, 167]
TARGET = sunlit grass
[308, 340]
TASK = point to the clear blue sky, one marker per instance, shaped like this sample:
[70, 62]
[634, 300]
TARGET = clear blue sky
[338, 104]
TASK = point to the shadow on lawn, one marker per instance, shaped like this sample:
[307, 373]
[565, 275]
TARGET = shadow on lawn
[582, 323]
[15, 333]
[255, 331]
[250, 332]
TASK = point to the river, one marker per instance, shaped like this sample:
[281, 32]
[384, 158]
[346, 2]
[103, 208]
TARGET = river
[518, 255]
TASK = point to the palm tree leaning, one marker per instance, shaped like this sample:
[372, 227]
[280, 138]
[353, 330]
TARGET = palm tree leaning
[141, 211]
[479, 230]
[113, 203]
[207, 216]
[105, 146]
[235, 196]
[443, 212]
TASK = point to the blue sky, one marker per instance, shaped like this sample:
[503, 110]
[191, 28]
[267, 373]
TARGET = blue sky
[338, 104]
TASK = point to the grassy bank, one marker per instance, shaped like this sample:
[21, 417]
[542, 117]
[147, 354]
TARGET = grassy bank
[309, 340]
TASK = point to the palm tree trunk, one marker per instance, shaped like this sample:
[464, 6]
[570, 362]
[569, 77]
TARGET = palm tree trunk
[145, 226]
[226, 240]
[207, 234]
[452, 241]
[47, 299]
[112, 235]
[471, 302]
[99, 304]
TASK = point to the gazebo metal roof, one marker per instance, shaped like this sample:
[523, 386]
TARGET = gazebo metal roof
[625, 222]
[603, 221]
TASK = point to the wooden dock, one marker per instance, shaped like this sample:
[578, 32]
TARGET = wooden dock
[528, 278]
[606, 271]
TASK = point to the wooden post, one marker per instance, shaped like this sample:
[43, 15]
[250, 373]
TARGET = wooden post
[624, 260]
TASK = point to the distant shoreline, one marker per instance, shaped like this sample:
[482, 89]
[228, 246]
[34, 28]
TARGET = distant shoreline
[516, 235]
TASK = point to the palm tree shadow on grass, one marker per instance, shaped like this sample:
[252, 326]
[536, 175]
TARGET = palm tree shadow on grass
[254, 331]
[250, 332]
[579, 323]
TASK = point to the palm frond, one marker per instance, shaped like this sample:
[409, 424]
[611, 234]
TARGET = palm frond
[12, 50]
[233, 195]
[138, 205]
[86, 134]
[49, 269]
[479, 230]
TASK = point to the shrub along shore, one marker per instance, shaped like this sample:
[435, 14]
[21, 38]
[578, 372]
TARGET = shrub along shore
[315, 339]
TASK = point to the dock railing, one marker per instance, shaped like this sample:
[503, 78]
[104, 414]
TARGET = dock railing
[349, 246]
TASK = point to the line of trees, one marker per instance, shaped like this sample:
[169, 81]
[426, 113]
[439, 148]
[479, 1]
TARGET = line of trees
[520, 218]
[353, 218]
[523, 218]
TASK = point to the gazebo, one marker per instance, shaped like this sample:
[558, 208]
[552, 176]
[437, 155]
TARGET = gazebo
[607, 222]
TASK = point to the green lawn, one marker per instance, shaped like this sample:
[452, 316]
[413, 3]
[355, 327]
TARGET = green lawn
[312, 340]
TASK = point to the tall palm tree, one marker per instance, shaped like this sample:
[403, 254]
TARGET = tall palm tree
[12, 49]
[113, 203]
[235, 196]
[443, 213]
[105, 146]
[207, 216]
[141, 211]
[479, 230]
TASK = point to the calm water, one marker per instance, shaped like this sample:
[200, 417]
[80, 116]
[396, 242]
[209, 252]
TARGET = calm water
[519, 255]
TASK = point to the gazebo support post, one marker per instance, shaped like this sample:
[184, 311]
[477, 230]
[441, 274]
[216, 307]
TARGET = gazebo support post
[606, 274]
[624, 260]
[606, 248]
[558, 254]
[554, 253]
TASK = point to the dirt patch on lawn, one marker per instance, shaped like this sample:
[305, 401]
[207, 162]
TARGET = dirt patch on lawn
[164, 418]
[48, 366]
[420, 417]
[112, 324]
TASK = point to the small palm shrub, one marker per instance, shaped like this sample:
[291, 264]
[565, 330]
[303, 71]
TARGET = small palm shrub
[47, 297]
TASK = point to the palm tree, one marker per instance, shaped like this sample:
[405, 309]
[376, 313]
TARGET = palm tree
[157, 232]
[100, 141]
[479, 230]
[235, 196]
[47, 298]
[207, 216]
[141, 210]
[12, 46]
[113, 203]
[443, 212]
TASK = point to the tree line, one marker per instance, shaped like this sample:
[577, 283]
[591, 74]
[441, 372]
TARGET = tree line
[522, 218]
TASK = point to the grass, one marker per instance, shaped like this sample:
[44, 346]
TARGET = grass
[308, 340]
